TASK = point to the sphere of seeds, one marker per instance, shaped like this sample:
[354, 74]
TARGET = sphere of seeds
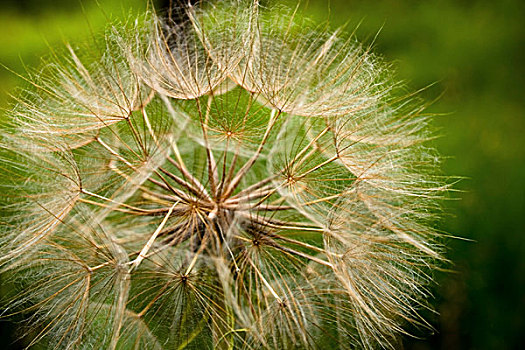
[238, 179]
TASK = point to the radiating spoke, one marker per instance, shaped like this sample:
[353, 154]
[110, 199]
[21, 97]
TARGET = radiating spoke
[153, 237]
[246, 167]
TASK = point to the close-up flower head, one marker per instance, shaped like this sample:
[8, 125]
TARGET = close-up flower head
[225, 176]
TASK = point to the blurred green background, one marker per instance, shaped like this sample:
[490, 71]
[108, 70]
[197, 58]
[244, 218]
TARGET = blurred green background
[474, 52]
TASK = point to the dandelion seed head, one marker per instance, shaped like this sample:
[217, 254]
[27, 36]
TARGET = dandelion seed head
[240, 178]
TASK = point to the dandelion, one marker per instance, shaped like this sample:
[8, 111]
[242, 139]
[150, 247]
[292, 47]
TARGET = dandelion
[243, 179]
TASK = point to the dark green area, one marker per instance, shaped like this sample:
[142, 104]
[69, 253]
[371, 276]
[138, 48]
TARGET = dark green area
[474, 52]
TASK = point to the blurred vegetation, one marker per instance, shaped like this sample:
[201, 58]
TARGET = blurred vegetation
[474, 53]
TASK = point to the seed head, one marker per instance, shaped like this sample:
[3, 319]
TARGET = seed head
[242, 179]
